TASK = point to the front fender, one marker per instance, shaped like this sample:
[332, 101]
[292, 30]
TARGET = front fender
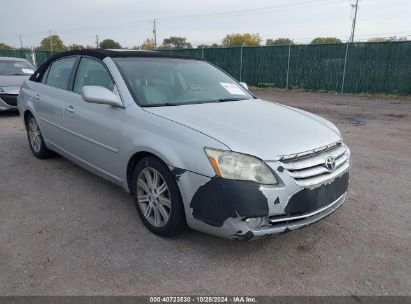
[176, 145]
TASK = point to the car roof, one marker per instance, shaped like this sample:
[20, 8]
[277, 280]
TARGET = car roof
[117, 53]
[103, 53]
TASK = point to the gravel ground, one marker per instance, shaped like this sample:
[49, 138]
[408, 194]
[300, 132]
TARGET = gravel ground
[64, 231]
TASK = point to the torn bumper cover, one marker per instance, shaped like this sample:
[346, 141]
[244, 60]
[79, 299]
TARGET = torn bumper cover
[221, 207]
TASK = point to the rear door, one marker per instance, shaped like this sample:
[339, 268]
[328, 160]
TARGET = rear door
[51, 97]
[95, 130]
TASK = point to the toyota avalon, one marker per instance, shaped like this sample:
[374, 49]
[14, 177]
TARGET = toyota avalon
[191, 144]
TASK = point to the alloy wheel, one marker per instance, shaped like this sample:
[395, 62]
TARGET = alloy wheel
[34, 135]
[153, 196]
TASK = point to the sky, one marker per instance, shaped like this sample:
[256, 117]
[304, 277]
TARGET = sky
[130, 22]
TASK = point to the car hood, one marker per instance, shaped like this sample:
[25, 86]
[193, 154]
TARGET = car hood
[12, 84]
[265, 129]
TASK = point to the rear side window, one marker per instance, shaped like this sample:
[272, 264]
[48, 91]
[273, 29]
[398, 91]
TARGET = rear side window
[60, 72]
[92, 72]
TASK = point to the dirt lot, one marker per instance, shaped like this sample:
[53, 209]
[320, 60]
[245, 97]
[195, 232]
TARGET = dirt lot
[64, 231]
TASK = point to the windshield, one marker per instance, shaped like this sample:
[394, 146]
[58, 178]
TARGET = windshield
[173, 81]
[16, 67]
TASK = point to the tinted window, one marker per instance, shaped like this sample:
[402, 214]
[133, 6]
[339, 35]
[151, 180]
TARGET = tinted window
[16, 67]
[92, 72]
[60, 71]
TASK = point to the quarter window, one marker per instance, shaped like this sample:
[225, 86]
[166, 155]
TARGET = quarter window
[60, 72]
[92, 72]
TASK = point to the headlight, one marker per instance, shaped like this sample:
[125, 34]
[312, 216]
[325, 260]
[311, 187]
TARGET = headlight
[233, 165]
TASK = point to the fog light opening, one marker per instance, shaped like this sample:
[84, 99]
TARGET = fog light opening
[255, 222]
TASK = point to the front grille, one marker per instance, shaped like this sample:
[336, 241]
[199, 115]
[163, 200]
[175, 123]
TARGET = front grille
[11, 100]
[308, 169]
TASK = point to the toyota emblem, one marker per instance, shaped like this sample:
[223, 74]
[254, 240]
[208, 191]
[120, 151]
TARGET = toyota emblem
[330, 163]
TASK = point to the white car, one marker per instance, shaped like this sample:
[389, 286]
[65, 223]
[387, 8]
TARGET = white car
[13, 72]
[190, 143]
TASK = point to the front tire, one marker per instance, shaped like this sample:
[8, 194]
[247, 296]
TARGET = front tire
[36, 141]
[157, 198]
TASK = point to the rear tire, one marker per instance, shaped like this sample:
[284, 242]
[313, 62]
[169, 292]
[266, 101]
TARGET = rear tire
[36, 141]
[157, 198]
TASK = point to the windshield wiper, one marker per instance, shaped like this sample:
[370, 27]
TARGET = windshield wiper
[165, 104]
[227, 99]
[168, 104]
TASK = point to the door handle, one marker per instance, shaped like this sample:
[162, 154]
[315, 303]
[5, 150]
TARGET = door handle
[69, 109]
[37, 97]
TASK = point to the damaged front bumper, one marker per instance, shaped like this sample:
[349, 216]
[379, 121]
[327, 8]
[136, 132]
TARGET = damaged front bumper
[216, 213]
[221, 207]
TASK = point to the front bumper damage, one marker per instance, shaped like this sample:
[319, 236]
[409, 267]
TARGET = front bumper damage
[221, 207]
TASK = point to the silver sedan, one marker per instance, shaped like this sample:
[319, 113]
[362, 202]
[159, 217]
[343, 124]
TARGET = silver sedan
[13, 72]
[191, 144]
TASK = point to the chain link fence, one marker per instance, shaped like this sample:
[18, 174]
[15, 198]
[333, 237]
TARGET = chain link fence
[383, 67]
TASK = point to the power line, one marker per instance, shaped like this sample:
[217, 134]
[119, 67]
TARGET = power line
[217, 15]
[258, 11]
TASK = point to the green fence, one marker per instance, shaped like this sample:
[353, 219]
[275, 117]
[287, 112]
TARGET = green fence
[34, 56]
[367, 68]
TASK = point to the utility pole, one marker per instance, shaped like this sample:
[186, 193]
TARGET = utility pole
[155, 34]
[351, 40]
[97, 41]
[355, 6]
[51, 43]
[21, 42]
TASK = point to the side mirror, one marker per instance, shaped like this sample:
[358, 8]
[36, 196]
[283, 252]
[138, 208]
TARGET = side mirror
[244, 85]
[100, 95]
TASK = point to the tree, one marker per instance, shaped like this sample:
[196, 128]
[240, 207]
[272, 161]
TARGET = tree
[239, 39]
[74, 46]
[176, 43]
[321, 40]
[4, 46]
[148, 45]
[279, 41]
[207, 46]
[385, 39]
[109, 44]
[378, 39]
[52, 42]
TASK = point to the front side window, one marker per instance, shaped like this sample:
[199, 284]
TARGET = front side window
[92, 72]
[174, 81]
[60, 72]
[16, 67]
